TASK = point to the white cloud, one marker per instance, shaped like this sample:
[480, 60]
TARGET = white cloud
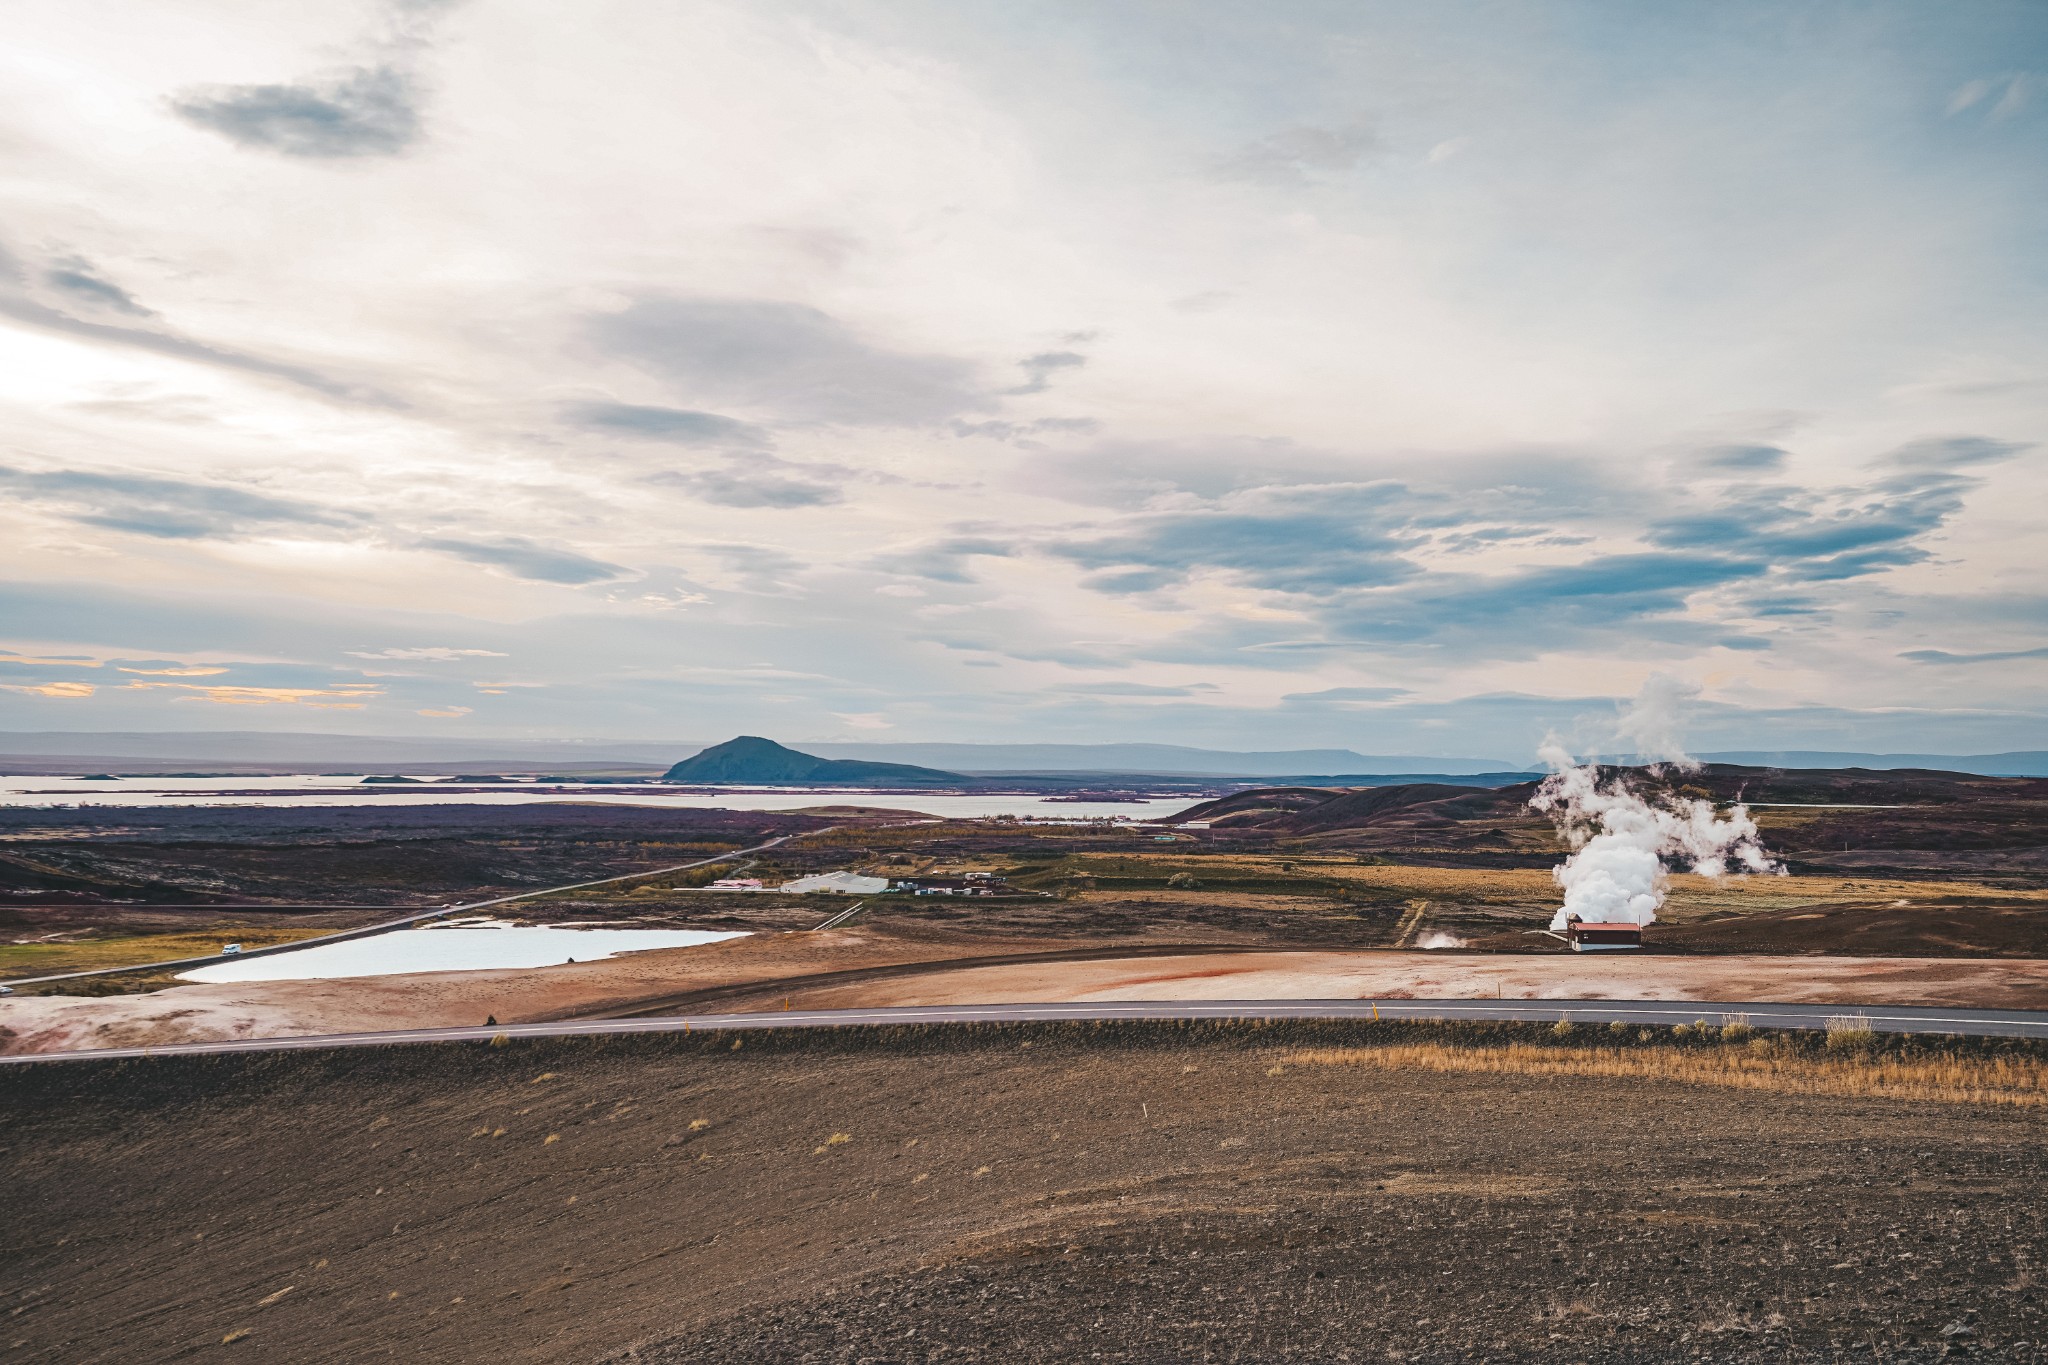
[440, 654]
[652, 375]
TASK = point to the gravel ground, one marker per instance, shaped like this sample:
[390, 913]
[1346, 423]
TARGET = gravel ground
[1022, 1194]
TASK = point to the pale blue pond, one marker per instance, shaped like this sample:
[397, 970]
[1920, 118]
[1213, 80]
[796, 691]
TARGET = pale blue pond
[468, 947]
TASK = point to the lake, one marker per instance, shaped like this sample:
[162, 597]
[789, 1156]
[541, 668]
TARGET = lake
[473, 946]
[315, 790]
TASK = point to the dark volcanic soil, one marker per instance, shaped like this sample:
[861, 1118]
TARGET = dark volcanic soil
[1130, 1194]
[1920, 930]
[1904, 822]
[199, 855]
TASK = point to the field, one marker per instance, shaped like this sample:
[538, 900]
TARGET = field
[1129, 1193]
[1121, 1194]
[88, 888]
[1387, 870]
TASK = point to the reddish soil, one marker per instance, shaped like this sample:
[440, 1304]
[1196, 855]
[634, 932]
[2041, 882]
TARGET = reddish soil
[1285, 975]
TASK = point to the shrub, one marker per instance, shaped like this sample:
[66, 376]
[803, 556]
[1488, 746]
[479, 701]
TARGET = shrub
[1850, 1032]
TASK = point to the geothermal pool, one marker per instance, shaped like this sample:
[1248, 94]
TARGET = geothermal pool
[470, 946]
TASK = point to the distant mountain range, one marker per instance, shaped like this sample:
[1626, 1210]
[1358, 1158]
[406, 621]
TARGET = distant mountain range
[2023, 763]
[756, 762]
[1164, 759]
[288, 751]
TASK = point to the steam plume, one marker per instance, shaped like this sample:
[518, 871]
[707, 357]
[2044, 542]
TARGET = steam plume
[1620, 841]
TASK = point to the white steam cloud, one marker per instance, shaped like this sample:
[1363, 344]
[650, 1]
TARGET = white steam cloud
[1620, 841]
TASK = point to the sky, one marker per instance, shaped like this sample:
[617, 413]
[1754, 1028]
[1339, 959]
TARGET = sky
[1406, 377]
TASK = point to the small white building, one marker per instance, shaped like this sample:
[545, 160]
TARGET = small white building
[839, 883]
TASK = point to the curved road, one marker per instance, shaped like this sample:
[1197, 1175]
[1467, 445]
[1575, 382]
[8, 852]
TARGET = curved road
[1878, 1018]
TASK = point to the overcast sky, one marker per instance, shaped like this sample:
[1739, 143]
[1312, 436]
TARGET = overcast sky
[1405, 377]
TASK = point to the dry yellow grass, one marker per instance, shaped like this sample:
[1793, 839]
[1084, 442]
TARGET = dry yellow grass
[1422, 881]
[83, 955]
[1760, 1065]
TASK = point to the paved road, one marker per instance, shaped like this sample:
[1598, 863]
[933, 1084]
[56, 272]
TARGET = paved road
[1881, 1019]
[385, 926]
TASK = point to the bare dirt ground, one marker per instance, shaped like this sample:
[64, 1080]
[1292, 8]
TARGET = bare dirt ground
[194, 1013]
[1452, 976]
[1044, 1195]
[877, 966]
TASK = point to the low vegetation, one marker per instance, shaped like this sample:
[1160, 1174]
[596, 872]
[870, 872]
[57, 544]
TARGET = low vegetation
[1847, 1063]
[94, 954]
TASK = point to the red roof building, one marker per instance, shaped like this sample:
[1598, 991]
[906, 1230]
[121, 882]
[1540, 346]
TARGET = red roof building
[1589, 937]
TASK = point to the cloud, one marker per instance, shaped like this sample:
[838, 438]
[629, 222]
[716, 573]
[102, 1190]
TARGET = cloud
[944, 561]
[174, 672]
[523, 558]
[1287, 158]
[350, 697]
[1207, 301]
[674, 599]
[784, 358]
[67, 690]
[680, 426]
[1310, 540]
[1368, 563]
[1342, 695]
[1745, 458]
[1819, 536]
[440, 654]
[761, 481]
[1545, 606]
[167, 509]
[445, 713]
[1131, 689]
[2013, 88]
[1947, 452]
[761, 568]
[75, 279]
[10, 659]
[364, 111]
[1020, 433]
[1039, 369]
[17, 303]
[1942, 656]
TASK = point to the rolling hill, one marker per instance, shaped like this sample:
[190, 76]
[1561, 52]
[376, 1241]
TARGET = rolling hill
[755, 761]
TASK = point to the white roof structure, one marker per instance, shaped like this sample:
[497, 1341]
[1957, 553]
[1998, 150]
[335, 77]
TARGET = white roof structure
[840, 883]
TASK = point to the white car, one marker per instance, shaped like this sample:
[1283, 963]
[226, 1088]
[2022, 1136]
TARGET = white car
[230, 949]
